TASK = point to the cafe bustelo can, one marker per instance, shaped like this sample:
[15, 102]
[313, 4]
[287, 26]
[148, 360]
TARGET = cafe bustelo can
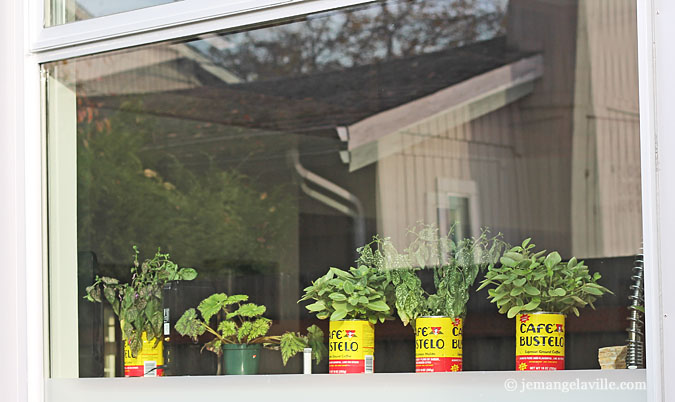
[438, 344]
[148, 363]
[351, 347]
[540, 341]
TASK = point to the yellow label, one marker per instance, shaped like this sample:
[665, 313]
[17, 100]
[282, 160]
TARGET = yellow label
[438, 344]
[540, 341]
[148, 363]
[351, 346]
[438, 337]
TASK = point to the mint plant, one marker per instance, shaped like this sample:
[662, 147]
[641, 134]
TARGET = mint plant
[138, 304]
[362, 293]
[528, 282]
[238, 323]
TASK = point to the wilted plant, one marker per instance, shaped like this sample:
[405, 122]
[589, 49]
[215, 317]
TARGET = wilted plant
[138, 304]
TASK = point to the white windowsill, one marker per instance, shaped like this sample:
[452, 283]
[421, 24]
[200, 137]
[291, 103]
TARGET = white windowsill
[465, 386]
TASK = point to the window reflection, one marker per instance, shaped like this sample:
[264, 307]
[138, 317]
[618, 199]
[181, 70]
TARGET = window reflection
[263, 157]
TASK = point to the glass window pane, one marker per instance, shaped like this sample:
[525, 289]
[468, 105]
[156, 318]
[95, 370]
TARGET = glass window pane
[263, 157]
[64, 11]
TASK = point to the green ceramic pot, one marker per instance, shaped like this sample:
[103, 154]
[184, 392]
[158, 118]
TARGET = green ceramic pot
[241, 359]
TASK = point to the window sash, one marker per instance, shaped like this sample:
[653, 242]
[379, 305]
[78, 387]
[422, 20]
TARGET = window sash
[164, 22]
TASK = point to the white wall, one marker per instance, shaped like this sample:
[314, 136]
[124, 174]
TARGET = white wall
[12, 279]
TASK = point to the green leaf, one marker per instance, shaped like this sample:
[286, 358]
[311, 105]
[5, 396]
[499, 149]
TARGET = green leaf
[315, 341]
[131, 314]
[532, 305]
[110, 295]
[189, 325]
[259, 328]
[506, 261]
[211, 305]
[232, 299]
[378, 306]
[128, 299]
[341, 274]
[517, 257]
[552, 260]
[290, 345]
[250, 310]
[592, 290]
[531, 290]
[227, 329]
[337, 296]
[519, 282]
[513, 311]
[187, 274]
[135, 344]
[244, 331]
[322, 315]
[314, 307]
[483, 284]
[338, 315]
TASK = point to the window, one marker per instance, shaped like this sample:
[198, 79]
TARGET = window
[65, 11]
[263, 156]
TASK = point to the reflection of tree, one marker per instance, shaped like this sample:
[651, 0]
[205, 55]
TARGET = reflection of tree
[391, 29]
[123, 199]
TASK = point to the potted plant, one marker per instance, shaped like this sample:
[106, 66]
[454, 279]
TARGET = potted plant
[354, 301]
[138, 306]
[437, 317]
[241, 331]
[540, 289]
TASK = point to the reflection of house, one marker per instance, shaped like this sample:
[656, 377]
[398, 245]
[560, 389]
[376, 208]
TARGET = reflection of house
[148, 70]
[508, 133]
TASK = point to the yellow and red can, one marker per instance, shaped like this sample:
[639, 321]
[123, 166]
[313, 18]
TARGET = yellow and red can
[438, 344]
[540, 341]
[351, 347]
[148, 363]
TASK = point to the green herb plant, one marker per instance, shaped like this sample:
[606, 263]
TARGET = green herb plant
[528, 282]
[237, 322]
[362, 293]
[455, 266]
[138, 304]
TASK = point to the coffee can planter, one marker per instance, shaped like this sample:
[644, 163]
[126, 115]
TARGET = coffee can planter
[438, 344]
[148, 363]
[351, 347]
[540, 341]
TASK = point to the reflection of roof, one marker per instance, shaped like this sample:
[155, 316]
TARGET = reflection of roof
[325, 100]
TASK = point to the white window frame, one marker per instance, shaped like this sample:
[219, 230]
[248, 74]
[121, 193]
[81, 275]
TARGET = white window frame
[439, 201]
[164, 22]
[23, 339]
